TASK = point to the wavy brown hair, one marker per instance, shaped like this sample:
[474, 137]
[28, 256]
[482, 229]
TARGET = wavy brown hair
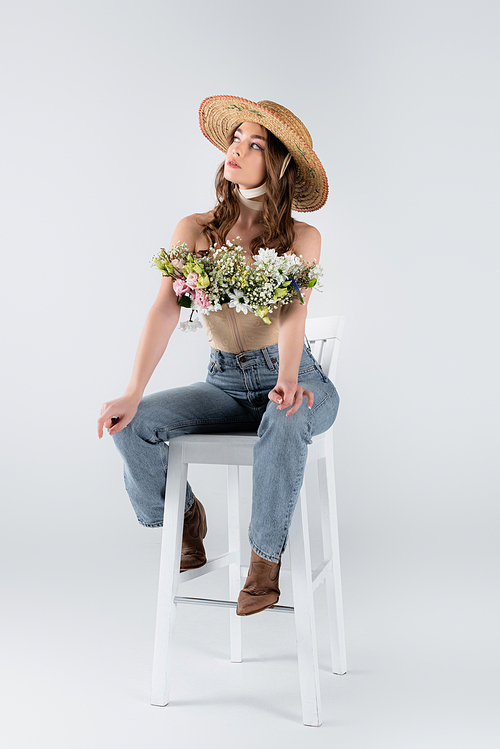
[278, 231]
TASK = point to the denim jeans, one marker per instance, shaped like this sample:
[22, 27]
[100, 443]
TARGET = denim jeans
[234, 398]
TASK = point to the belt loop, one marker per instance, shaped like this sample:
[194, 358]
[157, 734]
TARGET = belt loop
[218, 360]
[267, 359]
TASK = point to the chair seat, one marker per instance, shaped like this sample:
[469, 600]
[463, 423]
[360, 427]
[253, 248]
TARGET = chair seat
[237, 448]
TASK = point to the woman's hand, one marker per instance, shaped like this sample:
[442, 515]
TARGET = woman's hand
[116, 414]
[287, 393]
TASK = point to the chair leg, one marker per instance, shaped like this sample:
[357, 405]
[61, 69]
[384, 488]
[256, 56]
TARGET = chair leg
[233, 527]
[333, 583]
[169, 575]
[307, 651]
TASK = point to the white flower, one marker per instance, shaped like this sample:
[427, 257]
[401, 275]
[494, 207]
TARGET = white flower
[317, 273]
[266, 255]
[189, 326]
[238, 302]
[214, 307]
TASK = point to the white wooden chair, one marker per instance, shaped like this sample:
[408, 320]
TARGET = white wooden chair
[324, 335]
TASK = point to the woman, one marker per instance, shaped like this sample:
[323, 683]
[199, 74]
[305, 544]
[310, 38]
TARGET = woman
[261, 376]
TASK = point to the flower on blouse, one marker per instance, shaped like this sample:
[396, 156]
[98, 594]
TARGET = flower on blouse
[201, 298]
[237, 301]
[192, 280]
[180, 286]
[221, 276]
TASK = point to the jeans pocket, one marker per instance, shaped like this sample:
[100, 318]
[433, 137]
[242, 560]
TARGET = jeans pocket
[310, 368]
[306, 368]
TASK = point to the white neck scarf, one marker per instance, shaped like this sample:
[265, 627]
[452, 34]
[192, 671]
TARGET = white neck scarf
[254, 192]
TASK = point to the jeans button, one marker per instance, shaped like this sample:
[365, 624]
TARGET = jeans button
[243, 359]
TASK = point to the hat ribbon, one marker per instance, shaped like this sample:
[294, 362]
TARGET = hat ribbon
[286, 161]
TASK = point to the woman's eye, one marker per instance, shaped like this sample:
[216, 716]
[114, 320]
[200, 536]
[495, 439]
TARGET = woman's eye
[237, 139]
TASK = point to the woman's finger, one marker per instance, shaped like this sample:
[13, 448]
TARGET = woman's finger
[300, 394]
[287, 397]
[295, 407]
[274, 396]
[117, 426]
[310, 398]
[105, 420]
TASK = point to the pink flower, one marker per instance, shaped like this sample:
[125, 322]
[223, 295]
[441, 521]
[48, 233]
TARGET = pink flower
[192, 280]
[180, 286]
[201, 299]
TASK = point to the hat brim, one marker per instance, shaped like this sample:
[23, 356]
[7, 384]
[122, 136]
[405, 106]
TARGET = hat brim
[219, 115]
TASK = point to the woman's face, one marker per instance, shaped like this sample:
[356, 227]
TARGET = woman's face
[245, 161]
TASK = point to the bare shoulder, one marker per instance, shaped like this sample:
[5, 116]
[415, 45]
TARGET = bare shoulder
[306, 231]
[190, 229]
[307, 241]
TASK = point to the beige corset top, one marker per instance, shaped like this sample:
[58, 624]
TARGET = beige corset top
[232, 331]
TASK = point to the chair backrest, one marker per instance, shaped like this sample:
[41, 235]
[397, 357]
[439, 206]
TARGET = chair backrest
[324, 335]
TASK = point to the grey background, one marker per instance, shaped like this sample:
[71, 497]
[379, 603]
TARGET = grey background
[101, 155]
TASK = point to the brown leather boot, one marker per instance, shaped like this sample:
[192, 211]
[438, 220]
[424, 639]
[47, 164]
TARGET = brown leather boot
[195, 529]
[261, 588]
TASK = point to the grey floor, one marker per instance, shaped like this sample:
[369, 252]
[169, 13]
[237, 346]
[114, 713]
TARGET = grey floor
[78, 623]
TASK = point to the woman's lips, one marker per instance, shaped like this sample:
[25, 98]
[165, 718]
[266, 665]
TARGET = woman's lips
[232, 164]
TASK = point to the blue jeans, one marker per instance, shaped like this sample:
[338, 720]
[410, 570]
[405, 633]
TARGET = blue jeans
[234, 398]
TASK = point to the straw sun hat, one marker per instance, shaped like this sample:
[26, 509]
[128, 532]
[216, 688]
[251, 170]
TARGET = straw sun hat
[219, 115]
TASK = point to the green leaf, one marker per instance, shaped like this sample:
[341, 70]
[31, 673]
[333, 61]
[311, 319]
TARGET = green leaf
[279, 293]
